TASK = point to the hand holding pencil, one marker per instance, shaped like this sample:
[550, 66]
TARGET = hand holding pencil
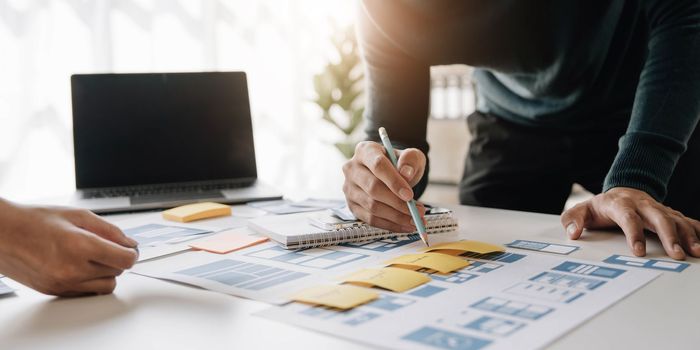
[377, 191]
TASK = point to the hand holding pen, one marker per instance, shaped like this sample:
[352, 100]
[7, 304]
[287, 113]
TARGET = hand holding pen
[377, 192]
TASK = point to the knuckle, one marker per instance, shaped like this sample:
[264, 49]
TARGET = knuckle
[374, 186]
[373, 205]
[346, 167]
[361, 146]
[81, 213]
[621, 202]
[628, 216]
[661, 219]
[375, 162]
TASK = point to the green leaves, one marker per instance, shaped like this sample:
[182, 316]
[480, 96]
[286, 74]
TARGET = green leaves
[339, 89]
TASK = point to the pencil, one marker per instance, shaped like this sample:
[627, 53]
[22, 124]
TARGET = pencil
[412, 203]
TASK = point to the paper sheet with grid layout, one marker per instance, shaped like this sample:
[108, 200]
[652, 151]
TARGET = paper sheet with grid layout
[501, 301]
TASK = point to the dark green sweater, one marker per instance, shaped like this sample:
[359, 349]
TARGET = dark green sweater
[562, 64]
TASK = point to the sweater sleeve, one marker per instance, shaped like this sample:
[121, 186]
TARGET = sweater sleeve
[667, 103]
[398, 91]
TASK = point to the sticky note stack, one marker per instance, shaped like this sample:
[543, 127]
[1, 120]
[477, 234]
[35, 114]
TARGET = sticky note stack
[459, 247]
[398, 277]
[434, 261]
[389, 278]
[197, 211]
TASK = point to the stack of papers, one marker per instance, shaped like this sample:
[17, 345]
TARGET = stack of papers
[285, 206]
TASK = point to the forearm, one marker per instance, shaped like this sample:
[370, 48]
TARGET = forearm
[667, 104]
[398, 92]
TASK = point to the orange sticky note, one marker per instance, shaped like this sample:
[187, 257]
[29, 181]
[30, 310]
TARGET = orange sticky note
[227, 241]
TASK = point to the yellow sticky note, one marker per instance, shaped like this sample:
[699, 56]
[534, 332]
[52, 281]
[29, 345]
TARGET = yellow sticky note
[337, 296]
[435, 261]
[467, 246]
[391, 278]
[197, 211]
[227, 241]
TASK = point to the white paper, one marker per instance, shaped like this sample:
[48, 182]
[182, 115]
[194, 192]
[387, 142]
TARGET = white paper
[166, 246]
[270, 273]
[517, 301]
[5, 289]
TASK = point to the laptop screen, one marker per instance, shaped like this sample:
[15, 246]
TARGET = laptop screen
[141, 129]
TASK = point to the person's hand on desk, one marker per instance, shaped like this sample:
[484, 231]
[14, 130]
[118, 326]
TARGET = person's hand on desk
[377, 192]
[62, 251]
[634, 211]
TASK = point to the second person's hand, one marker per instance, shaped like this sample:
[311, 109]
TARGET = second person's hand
[62, 251]
[377, 192]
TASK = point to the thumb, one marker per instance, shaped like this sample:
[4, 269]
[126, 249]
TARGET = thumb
[575, 219]
[411, 165]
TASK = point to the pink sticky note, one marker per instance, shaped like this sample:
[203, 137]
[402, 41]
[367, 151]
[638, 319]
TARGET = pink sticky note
[227, 241]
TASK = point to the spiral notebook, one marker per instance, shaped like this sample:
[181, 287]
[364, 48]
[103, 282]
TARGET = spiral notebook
[296, 231]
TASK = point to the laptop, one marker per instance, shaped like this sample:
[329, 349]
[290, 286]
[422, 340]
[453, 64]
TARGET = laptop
[152, 141]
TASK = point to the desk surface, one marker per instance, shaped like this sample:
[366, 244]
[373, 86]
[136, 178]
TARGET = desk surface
[148, 313]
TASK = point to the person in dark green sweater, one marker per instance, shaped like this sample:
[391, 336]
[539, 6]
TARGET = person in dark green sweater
[601, 93]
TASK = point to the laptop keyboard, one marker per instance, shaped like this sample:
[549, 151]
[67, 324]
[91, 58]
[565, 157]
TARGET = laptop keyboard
[150, 191]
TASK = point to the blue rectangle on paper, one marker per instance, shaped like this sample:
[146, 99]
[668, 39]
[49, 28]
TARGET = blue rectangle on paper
[426, 291]
[494, 325]
[556, 278]
[588, 270]
[663, 265]
[390, 303]
[531, 245]
[511, 308]
[563, 249]
[442, 339]
[455, 277]
[509, 257]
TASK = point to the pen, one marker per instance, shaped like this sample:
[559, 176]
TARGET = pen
[412, 203]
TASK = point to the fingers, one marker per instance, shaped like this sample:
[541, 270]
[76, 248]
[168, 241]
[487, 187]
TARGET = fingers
[632, 225]
[96, 270]
[375, 189]
[665, 227]
[378, 208]
[575, 219]
[104, 285]
[688, 231]
[411, 165]
[108, 253]
[374, 158]
[89, 221]
[377, 221]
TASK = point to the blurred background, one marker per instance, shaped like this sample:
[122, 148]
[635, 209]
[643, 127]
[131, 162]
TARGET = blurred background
[304, 76]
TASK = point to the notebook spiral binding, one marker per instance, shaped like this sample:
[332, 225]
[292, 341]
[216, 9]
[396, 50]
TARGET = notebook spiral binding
[436, 224]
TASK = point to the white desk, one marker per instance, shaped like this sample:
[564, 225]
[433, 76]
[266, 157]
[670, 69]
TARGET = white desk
[148, 313]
